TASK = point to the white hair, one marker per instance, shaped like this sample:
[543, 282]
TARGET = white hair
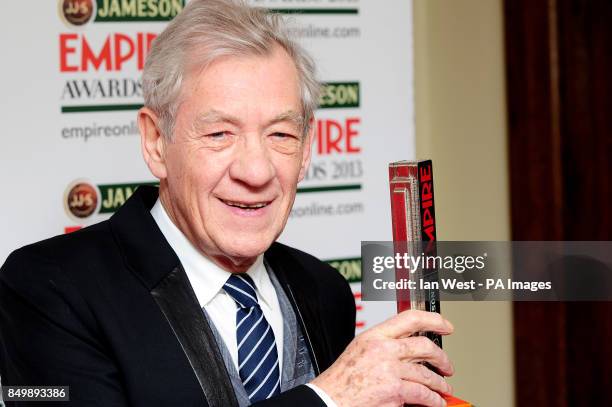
[206, 30]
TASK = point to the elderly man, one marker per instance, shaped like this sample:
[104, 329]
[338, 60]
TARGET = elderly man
[183, 297]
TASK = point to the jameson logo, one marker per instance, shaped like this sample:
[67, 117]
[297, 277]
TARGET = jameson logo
[339, 94]
[349, 268]
[76, 12]
[113, 196]
[138, 10]
[82, 199]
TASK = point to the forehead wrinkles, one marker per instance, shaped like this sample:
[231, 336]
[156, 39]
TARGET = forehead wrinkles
[197, 72]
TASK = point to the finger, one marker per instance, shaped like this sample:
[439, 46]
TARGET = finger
[422, 349]
[416, 372]
[410, 322]
[416, 393]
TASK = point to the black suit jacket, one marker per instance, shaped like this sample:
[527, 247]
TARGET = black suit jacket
[109, 311]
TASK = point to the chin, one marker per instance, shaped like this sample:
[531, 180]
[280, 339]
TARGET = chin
[247, 248]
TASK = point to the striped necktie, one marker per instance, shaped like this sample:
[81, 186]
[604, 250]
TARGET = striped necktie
[257, 355]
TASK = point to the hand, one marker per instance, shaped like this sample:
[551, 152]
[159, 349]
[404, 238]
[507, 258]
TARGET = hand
[381, 367]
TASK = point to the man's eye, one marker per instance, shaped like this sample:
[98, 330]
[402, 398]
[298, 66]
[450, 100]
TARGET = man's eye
[281, 135]
[217, 136]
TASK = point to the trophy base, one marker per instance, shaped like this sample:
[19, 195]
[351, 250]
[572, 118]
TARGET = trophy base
[455, 402]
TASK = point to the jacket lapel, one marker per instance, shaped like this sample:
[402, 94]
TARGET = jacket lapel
[152, 260]
[175, 297]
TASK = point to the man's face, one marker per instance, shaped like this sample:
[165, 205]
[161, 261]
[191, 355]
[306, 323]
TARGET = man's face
[237, 155]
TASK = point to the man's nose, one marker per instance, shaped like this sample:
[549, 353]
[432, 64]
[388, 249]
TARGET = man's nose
[252, 164]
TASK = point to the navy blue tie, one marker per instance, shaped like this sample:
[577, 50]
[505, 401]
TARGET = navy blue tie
[257, 355]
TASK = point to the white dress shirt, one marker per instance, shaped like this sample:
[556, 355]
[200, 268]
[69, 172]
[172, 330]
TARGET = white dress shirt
[207, 280]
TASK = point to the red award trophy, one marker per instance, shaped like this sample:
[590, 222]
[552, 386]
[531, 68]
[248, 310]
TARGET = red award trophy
[414, 232]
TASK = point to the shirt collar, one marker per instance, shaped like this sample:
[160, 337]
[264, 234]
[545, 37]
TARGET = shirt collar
[205, 276]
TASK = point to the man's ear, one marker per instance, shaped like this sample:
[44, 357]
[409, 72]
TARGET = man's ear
[152, 142]
[306, 154]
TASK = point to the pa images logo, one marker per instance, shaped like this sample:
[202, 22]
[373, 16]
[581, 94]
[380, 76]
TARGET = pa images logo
[76, 12]
[81, 199]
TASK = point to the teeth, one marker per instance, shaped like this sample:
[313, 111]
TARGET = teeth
[244, 206]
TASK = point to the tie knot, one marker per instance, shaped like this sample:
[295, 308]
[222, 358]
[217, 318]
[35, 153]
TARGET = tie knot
[242, 289]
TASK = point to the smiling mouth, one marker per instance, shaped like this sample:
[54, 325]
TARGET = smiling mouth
[246, 206]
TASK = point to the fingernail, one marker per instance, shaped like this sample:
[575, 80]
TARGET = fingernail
[449, 325]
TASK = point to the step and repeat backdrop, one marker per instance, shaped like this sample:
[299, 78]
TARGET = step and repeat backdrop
[71, 87]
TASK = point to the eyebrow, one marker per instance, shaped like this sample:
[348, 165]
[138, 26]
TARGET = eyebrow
[289, 116]
[217, 116]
